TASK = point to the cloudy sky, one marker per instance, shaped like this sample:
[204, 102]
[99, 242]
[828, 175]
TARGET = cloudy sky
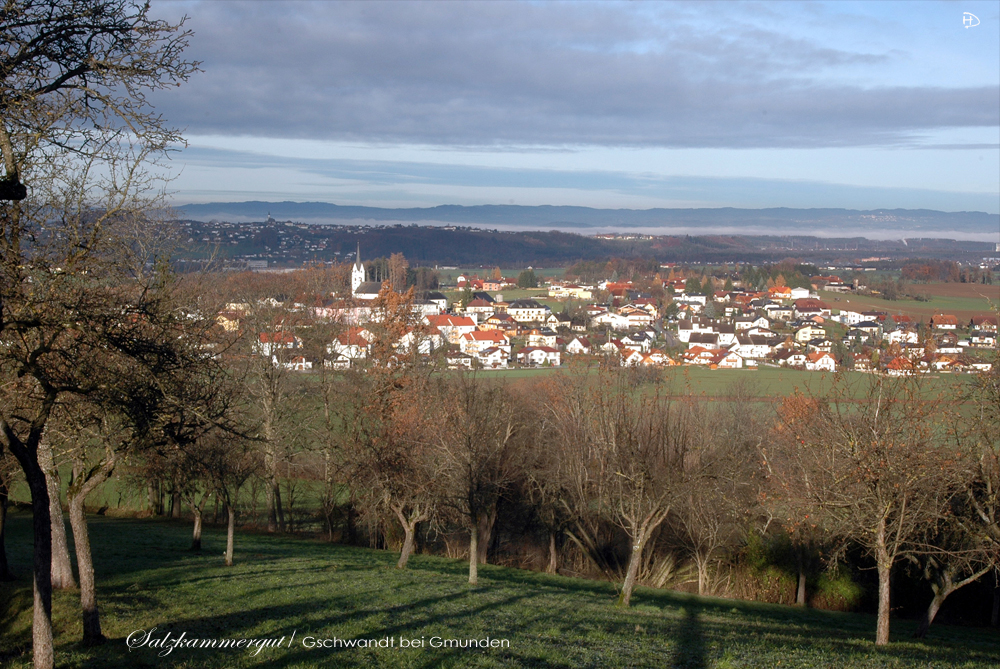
[636, 105]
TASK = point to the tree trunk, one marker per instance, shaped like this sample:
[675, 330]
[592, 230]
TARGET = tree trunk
[77, 493]
[485, 524]
[198, 510]
[41, 624]
[942, 589]
[884, 567]
[632, 573]
[62, 568]
[275, 516]
[5, 574]
[407, 550]
[230, 534]
[85, 566]
[175, 505]
[800, 592]
[473, 555]
[272, 515]
[277, 506]
[702, 564]
[553, 555]
[196, 535]
[409, 525]
[151, 496]
[928, 617]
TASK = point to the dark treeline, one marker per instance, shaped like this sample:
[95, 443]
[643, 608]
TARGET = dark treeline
[283, 243]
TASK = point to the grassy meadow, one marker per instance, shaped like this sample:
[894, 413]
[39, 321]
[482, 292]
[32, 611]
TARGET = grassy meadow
[283, 586]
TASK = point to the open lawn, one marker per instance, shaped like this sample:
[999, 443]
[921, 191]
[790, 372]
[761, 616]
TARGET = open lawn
[284, 587]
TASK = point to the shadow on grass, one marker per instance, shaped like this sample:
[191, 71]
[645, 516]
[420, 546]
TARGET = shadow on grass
[690, 652]
[282, 584]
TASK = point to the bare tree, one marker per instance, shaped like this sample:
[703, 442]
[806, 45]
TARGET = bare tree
[383, 419]
[721, 502]
[397, 270]
[964, 545]
[626, 458]
[72, 79]
[479, 453]
[229, 461]
[876, 472]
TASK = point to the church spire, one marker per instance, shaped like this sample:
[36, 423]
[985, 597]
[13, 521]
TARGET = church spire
[357, 272]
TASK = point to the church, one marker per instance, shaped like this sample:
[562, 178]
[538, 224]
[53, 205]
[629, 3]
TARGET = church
[360, 288]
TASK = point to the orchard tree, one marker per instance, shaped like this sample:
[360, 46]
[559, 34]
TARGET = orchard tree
[623, 455]
[479, 453]
[384, 419]
[878, 473]
[76, 136]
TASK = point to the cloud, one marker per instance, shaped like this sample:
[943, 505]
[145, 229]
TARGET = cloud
[402, 183]
[501, 73]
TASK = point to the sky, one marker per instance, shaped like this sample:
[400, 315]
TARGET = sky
[861, 105]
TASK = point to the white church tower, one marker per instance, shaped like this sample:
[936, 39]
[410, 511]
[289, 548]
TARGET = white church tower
[357, 272]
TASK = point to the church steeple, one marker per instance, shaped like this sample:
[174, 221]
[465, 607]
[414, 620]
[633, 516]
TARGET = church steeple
[357, 272]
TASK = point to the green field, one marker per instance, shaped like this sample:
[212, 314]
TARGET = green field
[282, 586]
[765, 383]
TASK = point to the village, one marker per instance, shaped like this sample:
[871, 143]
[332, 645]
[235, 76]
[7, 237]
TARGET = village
[731, 328]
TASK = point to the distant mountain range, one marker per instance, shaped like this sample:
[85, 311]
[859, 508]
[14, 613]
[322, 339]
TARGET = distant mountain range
[873, 224]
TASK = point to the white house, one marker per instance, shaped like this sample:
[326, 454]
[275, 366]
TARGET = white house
[493, 358]
[612, 320]
[821, 362]
[297, 364]
[480, 340]
[809, 332]
[528, 311]
[752, 347]
[901, 336]
[352, 345]
[538, 355]
[541, 338]
[578, 345]
[452, 327]
[638, 341]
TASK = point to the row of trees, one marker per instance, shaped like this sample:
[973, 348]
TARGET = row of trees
[633, 477]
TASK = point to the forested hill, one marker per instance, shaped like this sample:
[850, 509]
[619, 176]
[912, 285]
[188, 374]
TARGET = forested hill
[286, 243]
[726, 220]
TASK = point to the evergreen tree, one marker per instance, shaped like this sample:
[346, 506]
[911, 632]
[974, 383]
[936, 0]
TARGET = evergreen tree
[527, 279]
